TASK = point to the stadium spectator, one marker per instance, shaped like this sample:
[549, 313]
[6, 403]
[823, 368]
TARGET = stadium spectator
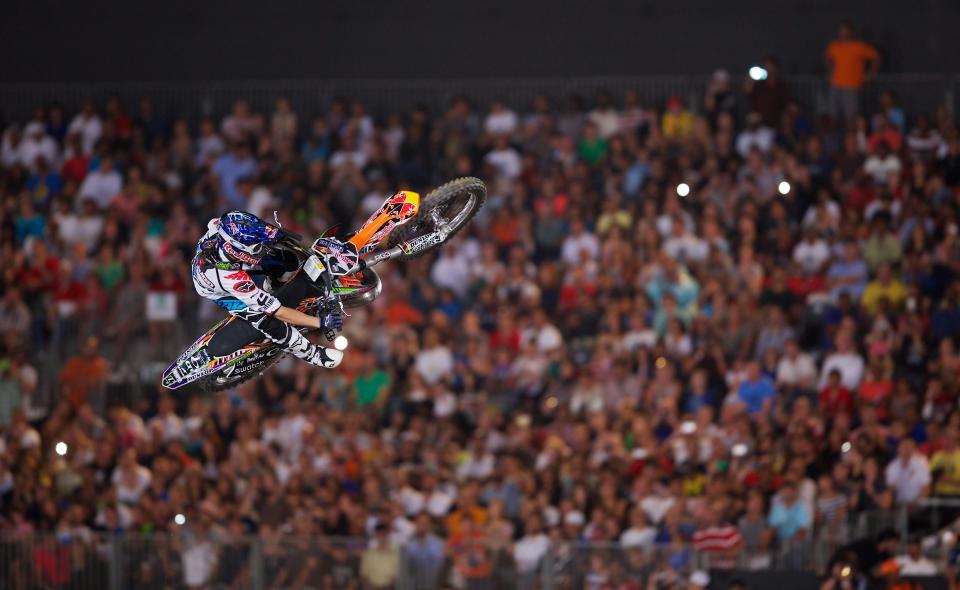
[852, 62]
[574, 367]
[908, 473]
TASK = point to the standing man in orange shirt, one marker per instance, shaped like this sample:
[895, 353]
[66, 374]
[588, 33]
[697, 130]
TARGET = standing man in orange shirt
[852, 62]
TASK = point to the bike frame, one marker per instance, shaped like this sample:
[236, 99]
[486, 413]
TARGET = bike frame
[196, 362]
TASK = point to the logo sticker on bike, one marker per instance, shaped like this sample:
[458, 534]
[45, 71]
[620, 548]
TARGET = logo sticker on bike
[421, 243]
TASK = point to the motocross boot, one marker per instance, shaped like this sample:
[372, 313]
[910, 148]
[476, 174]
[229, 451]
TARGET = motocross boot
[302, 348]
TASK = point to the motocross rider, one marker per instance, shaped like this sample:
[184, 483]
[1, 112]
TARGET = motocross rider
[239, 242]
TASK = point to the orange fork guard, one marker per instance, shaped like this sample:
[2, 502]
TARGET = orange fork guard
[396, 210]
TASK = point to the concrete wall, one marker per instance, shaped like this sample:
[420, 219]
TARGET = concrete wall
[55, 41]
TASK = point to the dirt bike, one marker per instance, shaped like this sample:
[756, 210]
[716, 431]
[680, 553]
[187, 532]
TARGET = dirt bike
[404, 227]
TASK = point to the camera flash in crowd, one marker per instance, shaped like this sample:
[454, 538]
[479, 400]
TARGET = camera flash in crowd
[845, 447]
[61, 448]
[784, 187]
[683, 189]
[688, 427]
[739, 450]
[180, 520]
[948, 537]
[757, 73]
[341, 342]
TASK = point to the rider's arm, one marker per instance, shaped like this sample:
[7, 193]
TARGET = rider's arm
[297, 318]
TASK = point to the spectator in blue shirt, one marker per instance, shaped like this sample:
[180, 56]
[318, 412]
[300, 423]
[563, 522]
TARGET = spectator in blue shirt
[230, 168]
[756, 391]
[848, 274]
[424, 555]
[789, 516]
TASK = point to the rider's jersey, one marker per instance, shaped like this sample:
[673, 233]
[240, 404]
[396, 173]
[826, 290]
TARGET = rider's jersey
[227, 283]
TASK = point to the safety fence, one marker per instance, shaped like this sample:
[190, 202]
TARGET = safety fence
[194, 99]
[210, 558]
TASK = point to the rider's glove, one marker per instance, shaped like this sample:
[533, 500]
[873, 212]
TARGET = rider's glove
[332, 321]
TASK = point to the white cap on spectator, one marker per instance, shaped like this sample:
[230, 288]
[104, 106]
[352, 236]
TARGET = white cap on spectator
[575, 518]
[700, 578]
[551, 514]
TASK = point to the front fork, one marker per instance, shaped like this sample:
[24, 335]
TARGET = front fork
[405, 248]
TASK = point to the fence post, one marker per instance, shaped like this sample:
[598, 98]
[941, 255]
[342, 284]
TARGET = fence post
[904, 524]
[116, 554]
[256, 564]
[546, 569]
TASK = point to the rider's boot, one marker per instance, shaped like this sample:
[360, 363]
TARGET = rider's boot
[302, 348]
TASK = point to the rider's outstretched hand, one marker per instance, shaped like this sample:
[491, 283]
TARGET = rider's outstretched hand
[332, 321]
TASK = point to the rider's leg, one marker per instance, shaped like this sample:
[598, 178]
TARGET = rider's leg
[293, 341]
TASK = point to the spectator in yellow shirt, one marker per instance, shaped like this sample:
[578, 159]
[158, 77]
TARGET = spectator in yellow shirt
[884, 287]
[677, 122]
[945, 467]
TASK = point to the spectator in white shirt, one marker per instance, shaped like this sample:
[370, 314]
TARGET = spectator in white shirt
[812, 252]
[434, 361]
[37, 144]
[846, 360]
[908, 475]
[10, 146]
[451, 270]
[504, 160]
[913, 562]
[684, 246]
[640, 533]
[88, 125]
[754, 136]
[544, 334]
[580, 242]
[605, 117]
[166, 423]
[796, 370]
[882, 165]
[529, 550]
[209, 145]
[501, 120]
[102, 185]
[130, 478]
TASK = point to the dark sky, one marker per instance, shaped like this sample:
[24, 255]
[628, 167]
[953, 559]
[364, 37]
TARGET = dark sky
[43, 40]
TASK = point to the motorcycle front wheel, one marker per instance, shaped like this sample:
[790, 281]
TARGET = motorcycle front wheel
[443, 212]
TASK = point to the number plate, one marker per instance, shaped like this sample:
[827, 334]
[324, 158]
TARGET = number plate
[313, 267]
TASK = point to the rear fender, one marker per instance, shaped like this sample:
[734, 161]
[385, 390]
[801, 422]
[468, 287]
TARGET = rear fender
[197, 361]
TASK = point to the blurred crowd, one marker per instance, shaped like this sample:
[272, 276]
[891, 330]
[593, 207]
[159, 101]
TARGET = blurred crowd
[727, 325]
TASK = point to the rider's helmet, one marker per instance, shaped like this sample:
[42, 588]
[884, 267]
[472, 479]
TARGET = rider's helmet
[244, 237]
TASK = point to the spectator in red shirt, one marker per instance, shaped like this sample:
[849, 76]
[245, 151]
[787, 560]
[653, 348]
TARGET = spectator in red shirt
[719, 539]
[835, 398]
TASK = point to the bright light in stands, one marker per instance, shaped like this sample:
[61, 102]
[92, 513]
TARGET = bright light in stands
[784, 187]
[61, 448]
[341, 342]
[683, 189]
[845, 447]
[180, 520]
[688, 427]
[739, 450]
[757, 73]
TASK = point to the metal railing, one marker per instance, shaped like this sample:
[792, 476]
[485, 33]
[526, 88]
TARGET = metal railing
[193, 99]
[83, 560]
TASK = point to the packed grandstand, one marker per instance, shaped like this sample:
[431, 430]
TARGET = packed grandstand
[684, 336]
